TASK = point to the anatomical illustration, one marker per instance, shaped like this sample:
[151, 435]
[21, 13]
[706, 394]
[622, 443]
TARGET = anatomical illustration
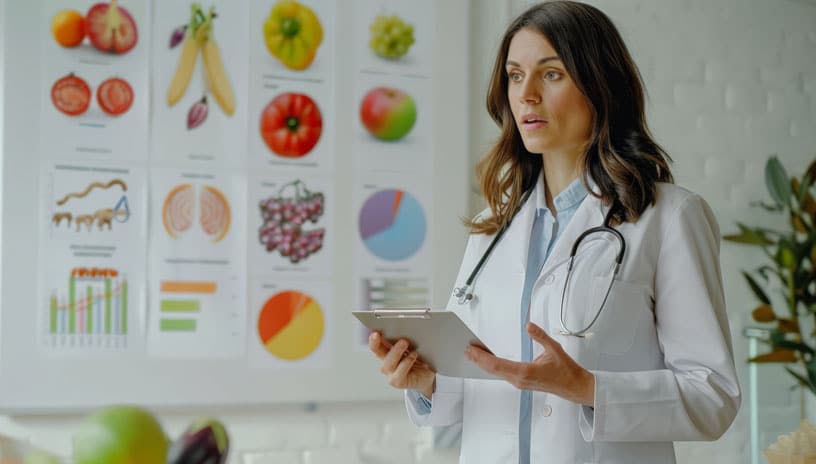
[391, 37]
[179, 210]
[293, 33]
[102, 217]
[109, 27]
[291, 125]
[284, 215]
[198, 36]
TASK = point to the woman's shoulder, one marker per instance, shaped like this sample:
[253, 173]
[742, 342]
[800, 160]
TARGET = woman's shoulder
[674, 202]
[672, 197]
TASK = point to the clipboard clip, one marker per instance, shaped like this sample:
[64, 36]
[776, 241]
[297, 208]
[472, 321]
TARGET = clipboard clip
[402, 313]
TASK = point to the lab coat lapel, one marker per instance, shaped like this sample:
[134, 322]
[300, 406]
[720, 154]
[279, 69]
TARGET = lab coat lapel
[589, 214]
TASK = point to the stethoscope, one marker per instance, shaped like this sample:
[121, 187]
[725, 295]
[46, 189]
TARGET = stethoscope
[465, 295]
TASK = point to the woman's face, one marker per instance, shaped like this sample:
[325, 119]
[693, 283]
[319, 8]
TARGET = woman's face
[551, 114]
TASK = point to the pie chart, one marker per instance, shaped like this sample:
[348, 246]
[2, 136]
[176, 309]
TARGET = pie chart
[392, 224]
[290, 325]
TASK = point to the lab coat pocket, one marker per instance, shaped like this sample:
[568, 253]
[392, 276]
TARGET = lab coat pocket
[618, 310]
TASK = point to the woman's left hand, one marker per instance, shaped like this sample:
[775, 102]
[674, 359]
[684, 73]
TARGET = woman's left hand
[554, 371]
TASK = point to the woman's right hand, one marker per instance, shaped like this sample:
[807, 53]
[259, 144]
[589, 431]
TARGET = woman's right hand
[402, 366]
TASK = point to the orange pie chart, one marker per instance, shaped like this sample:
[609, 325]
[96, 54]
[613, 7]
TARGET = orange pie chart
[290, 325]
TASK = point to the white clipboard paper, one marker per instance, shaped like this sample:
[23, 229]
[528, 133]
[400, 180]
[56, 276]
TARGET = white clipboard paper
[439, 337]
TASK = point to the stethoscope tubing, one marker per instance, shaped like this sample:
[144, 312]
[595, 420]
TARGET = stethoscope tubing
[465, 295]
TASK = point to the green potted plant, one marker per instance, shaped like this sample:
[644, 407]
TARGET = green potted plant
[790, 270]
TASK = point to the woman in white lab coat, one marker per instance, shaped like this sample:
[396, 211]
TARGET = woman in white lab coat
[612, 374]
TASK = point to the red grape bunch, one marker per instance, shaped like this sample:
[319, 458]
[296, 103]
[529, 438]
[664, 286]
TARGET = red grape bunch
[284, 217]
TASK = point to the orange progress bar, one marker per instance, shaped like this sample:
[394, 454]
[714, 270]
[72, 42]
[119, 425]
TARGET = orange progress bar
[176, 286]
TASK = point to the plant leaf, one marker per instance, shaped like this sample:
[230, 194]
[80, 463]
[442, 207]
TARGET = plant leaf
[802, 380]
[795, 346]
[788, 326]
[748, 236]
[758, 292]
[811, 170]
[781, 355]
[776, 179]
[807, 182]
[798, 224]
[764, 313]
[765, 206]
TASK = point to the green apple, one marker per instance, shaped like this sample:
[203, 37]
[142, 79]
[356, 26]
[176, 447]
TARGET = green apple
[40, 457]
[388, 113]
[120, 435]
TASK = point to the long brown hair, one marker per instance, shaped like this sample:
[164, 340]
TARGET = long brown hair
[621, 157]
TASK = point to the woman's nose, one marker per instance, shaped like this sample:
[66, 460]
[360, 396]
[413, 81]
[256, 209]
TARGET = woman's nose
[529, 92]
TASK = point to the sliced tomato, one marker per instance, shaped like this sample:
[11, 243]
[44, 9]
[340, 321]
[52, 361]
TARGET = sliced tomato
[115, 96]
[291, 125]
[71, 95]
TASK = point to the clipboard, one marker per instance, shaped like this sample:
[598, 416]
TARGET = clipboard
[439, 337]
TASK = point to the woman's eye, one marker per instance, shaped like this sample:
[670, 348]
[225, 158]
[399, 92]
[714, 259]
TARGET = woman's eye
[515, 77]
[552, 75]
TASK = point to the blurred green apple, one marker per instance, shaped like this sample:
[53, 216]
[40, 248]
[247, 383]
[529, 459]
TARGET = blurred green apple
[120, 435]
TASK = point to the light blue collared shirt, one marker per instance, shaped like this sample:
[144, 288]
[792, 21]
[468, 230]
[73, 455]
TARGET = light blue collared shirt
[546, 231]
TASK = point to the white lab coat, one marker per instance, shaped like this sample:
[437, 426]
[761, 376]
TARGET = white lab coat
[660, 350]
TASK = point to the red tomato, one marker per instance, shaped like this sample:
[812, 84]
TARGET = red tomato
[71, 95]
[291, 124]
[114, 96]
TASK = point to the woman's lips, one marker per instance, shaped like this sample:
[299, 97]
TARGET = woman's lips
[532, 121]
[533, 125]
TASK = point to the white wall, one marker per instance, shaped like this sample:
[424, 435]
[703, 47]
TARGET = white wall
[730, 82]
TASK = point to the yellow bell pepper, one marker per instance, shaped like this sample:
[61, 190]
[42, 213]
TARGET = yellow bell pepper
[293, 33]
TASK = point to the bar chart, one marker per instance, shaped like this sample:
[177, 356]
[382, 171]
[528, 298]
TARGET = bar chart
[197, 315]
[180, 303]
[91, 310]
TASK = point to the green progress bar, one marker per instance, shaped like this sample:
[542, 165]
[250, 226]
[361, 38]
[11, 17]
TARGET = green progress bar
[178, 325]
[180, 306]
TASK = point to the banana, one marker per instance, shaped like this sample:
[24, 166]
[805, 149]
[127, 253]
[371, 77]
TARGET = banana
[217, 76]
[184, 70]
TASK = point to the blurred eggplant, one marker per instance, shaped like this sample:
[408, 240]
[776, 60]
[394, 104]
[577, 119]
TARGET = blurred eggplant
[197, 114]
[177, 36]
[204, 442]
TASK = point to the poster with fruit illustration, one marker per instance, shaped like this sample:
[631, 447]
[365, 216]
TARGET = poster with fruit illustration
[291, 226]
[199, 66]
[394, 36]
[91, 253]
[393, 123]
[293, 39]
[290, 324]
[292, 126]
[94, 95]
[292, 83]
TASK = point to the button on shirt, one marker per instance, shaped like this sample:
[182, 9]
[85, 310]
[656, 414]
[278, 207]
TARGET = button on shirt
[545, 233]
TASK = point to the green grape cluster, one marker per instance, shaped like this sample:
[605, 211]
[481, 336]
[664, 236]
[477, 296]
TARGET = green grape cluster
[391, 37]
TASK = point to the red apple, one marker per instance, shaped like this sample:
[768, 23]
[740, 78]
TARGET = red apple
[111, 28]
[388, 113]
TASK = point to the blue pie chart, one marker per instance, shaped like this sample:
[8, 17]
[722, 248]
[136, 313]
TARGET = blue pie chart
[392, 224]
